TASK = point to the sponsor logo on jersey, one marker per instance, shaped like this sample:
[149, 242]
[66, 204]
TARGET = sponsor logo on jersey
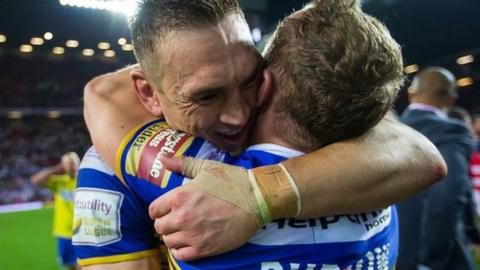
[340, 228]
[374, 259]
[96, 217]
[143, 158]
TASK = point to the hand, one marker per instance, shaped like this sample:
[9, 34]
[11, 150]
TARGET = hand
[195, 224]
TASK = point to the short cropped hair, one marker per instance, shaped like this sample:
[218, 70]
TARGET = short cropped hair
[435, 82]
[340, 72]
[154, 19]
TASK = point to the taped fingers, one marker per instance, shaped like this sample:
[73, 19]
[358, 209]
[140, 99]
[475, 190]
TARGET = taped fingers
[192, 167]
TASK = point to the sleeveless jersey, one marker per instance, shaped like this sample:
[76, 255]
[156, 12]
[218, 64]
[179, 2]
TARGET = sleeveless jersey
[111, 224]
[356, 241]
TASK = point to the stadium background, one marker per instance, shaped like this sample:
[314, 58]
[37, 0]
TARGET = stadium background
[42, 76]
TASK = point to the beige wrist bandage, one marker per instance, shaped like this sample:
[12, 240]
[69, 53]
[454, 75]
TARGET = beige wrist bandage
[269, 193]
[279, 191]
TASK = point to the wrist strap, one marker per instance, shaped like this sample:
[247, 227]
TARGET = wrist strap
[279, 191]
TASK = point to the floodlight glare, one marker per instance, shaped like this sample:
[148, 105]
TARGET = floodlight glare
[127, 47]
[256, 34]
[464, 82]
[88, 52]
[3, 38]
[48, 36]
[54, 114]
[103, 45]
[122, 41]
[26, 48]
[411, 69]
[14, 114]
[109, 53]
[36, 41]
[126, 7]
[467, 59]
[71, 43]
[58, 50]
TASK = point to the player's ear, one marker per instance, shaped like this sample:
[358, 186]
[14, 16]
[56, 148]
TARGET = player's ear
[147, 95]
[266, 88]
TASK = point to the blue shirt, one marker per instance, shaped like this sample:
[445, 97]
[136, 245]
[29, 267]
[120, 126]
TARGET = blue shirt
[360, 241]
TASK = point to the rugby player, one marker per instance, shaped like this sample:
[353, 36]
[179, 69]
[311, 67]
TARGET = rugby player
[62, 179]
[223, 104]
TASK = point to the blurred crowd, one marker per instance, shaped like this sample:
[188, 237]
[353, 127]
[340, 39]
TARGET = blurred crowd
[28, 145]
[46, 81]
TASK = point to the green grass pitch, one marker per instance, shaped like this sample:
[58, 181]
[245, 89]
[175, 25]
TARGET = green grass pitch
[26, 241]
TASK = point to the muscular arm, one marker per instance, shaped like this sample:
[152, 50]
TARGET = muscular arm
[384, 166]
[389, 163]
[111, 110]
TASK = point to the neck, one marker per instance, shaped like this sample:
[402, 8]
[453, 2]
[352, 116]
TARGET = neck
[434, 103]
[265, 131]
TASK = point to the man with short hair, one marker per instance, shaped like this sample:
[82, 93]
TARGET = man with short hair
[432, 229]
[192, 87]
[351, 241]
[61, 179]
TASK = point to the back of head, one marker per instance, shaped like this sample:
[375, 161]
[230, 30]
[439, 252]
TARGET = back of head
[434, 85]
[155, 19]
[70, 163]
[340, 72]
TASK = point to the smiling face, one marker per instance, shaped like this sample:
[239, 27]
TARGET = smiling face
[209, 82]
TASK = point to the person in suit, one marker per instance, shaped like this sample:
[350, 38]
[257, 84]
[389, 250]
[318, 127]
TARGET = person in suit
[432, 234]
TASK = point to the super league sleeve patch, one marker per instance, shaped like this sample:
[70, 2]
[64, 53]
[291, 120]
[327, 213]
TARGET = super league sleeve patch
[96, 217]
[141, 156]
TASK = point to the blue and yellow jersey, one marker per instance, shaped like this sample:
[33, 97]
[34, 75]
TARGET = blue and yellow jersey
[111, 224]
[138, 158]
[356, 241]
[63, 187]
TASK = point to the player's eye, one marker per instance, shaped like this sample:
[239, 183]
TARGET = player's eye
[207, 98]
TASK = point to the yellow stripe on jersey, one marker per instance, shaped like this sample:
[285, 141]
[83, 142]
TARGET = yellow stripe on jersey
[136, 149]
[121, 148]
[119, 258]
[172, 262]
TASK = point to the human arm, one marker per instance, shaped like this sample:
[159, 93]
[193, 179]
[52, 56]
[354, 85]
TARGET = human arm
[111, 110]
[387, 164]
[40, 178]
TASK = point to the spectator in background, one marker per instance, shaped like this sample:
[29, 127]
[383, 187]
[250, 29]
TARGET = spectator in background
[32, 143]
[432, 232]
[476, 131]
[472, 206]
[61, 179]
[476, 126]
[475, 161]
